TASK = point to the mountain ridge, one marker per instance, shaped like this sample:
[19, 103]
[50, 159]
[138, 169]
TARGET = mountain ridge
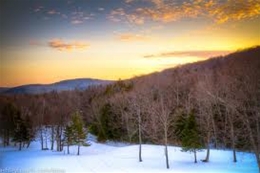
[63, 85]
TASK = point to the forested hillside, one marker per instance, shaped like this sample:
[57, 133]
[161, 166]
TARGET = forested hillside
[209, 104]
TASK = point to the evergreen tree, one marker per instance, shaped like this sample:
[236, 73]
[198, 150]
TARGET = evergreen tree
[180, 124]
[21, 132]
[79, 132]
[188, 134]
[7, 123]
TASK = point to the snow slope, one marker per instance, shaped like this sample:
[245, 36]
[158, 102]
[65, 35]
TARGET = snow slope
[101, 158]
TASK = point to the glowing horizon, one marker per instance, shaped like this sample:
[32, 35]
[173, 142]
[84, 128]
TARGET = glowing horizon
[44, 41]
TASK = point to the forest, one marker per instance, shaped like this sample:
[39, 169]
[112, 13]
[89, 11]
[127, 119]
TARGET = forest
[212, 104]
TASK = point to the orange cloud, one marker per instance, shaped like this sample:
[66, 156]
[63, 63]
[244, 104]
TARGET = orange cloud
[201, 54]
[168, 11]
[67, 46]
[234, 10]
[132, 37]
[119, 14]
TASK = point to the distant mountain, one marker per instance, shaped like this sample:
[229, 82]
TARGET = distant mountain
[65, 85]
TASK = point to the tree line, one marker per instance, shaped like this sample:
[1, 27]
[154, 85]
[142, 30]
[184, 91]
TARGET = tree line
[205, 105]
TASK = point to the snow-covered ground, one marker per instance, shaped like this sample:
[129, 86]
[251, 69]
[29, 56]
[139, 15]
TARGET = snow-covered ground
[101, 158]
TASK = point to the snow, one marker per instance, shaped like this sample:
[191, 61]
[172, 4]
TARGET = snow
[121, 158]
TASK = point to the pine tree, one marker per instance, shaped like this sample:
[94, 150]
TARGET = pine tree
[188, 134]
[78, 129]
[7, 123]
[21, 132]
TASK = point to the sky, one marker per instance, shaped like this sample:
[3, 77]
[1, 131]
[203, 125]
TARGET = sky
[45, 41]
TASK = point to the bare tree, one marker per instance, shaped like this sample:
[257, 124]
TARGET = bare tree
[137, 105]
[165, 118]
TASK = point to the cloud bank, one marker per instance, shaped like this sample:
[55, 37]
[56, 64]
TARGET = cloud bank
[220, 11]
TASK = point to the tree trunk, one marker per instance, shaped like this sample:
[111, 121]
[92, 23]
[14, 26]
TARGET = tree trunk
[208, 148]
[8, 138]
[166, 156]
[61, 143]
[207, 155]
[234, 155]
[46, 138]
[140, 137]
[20, 145]
[166, 143]
[41, 137]
[28, 144]
[232, 137]
[68, 149]
[52, 137]
[78, 148]
[140, 149]
[58, 138]
[195, 156]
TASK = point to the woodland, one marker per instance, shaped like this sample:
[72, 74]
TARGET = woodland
[212, 104]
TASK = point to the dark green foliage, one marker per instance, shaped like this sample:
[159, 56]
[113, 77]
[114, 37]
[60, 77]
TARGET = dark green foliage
[77, 130]
[29, 127]
[188, 134]
[119, 86]
[21, 131]
[15, 126]
[93, 129]
[180, 124]
[108, 126]
[7, 125]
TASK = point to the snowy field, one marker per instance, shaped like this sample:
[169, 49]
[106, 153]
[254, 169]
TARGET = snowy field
[101, 158]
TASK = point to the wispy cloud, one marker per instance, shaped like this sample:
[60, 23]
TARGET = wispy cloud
[77, 21]
[53, 12]
[199, 54]
[128, 1]
[101, 9]
[67, 46]
[220, 11]
[77, 16]
[38, 9]
[132, 37]
[119, 15]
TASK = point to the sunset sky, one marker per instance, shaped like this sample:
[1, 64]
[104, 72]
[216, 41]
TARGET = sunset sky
[44, 41]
